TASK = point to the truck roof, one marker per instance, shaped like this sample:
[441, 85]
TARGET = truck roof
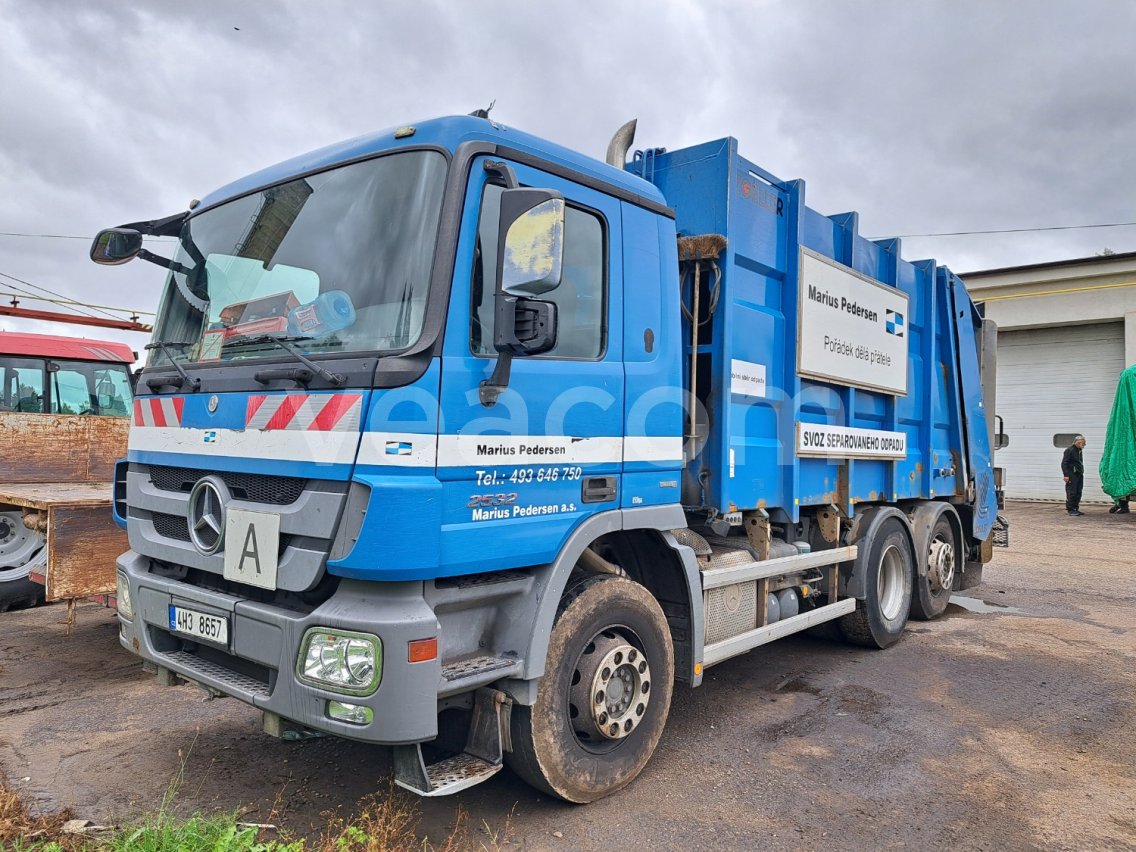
[55, 346]
[445, 133]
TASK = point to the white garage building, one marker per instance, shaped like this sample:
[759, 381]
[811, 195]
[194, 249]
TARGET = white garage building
[1066, 330]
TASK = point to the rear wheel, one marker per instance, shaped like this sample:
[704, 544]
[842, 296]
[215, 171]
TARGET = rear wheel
[879, 619]
[933, 592]
[21, 549]
[604, 697]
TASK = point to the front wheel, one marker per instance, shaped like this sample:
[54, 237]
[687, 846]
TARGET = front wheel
[879, 619]
[604, 697]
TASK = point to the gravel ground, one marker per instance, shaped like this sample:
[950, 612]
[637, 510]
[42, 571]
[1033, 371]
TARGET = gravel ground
[1010, 723]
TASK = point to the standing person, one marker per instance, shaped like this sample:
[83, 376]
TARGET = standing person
[1073, 467]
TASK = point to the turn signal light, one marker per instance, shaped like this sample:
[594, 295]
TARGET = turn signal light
[422, 650]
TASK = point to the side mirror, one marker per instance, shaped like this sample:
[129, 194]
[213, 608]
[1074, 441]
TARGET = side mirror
[524, 326]
[530, 241]
[114, 246]
[1001, 439]
[530, 244]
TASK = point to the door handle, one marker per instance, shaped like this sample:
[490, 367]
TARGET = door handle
[598, 489]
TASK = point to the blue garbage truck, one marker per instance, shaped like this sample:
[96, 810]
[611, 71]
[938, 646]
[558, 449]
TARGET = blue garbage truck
[456, 440]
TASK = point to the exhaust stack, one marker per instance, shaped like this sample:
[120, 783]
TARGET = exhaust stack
[620, 144]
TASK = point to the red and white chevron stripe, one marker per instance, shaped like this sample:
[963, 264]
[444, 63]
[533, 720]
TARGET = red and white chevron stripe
[336, 412]
[158, 411]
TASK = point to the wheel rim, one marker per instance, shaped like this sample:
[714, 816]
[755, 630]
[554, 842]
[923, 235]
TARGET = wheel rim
[20, 547]
[889, 582]
[610, 691]
[941, 564]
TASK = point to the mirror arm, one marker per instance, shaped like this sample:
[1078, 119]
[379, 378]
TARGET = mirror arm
[503, 171]
[170, 226]
[492, 388]
[164, 261]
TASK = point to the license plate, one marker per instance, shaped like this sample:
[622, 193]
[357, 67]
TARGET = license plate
[200, 625]
[252, 541]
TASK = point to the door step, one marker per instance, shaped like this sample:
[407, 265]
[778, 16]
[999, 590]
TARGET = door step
[472, 672]
[483, 757]
[446, 776]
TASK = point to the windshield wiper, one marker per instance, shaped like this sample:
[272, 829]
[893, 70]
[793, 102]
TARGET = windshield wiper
[164, 346]
[288, 345]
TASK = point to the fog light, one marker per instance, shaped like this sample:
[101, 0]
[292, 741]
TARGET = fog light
[122, 596]
[341, 661]
[356, 714]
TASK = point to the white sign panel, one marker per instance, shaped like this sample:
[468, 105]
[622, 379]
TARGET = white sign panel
[252, 541]
[847, 442]
[851, 330]
[747, 378]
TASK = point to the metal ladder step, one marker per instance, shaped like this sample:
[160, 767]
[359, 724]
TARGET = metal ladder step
[454, 774]
[463, 675]
[485, 748]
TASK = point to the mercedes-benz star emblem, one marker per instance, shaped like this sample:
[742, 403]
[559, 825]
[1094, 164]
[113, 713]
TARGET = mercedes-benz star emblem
[205, 514]
[212, 404]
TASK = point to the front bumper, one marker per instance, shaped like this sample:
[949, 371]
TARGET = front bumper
[258, 664]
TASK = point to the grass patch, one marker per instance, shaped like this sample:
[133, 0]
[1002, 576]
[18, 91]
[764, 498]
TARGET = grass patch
[22, 832]
[386, 822]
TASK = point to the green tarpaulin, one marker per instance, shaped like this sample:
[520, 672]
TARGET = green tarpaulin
[1118, 461]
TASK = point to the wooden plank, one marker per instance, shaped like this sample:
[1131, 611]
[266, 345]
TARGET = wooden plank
[41, 495]
[82, 546]
[106, 444]
[60, 447]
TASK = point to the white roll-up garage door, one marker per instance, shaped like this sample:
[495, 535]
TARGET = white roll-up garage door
[1055, 381]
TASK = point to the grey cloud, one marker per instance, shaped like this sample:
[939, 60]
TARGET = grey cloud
[929, 116]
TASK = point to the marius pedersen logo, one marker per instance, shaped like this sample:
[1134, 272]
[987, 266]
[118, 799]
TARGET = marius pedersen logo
[894, 323]
[210, 437]
[399, 448]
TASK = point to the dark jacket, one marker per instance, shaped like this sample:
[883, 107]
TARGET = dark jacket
[1073, 463]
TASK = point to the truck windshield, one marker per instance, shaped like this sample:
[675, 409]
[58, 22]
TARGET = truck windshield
[338, 261]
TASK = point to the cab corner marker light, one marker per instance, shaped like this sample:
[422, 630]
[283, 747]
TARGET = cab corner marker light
[423, 650]
[405, 132]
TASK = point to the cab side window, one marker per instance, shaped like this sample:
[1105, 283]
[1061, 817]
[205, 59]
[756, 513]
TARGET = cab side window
[70, 393]
[581, 298]
[23, 385]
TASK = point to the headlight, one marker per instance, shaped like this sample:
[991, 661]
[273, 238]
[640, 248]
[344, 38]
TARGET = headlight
[341, 661]
[122, 596]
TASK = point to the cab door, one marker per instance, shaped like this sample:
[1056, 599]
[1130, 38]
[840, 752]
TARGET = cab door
[520, 475]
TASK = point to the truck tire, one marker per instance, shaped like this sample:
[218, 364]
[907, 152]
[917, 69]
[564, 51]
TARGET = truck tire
[933, 591]
[604, 697]
[20, 550]
[879, 619]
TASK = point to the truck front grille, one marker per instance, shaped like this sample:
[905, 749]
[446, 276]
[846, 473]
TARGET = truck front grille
[256, 488]
[171, 526]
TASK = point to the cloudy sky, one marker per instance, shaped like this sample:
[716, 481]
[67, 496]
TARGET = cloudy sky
[927, 117]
